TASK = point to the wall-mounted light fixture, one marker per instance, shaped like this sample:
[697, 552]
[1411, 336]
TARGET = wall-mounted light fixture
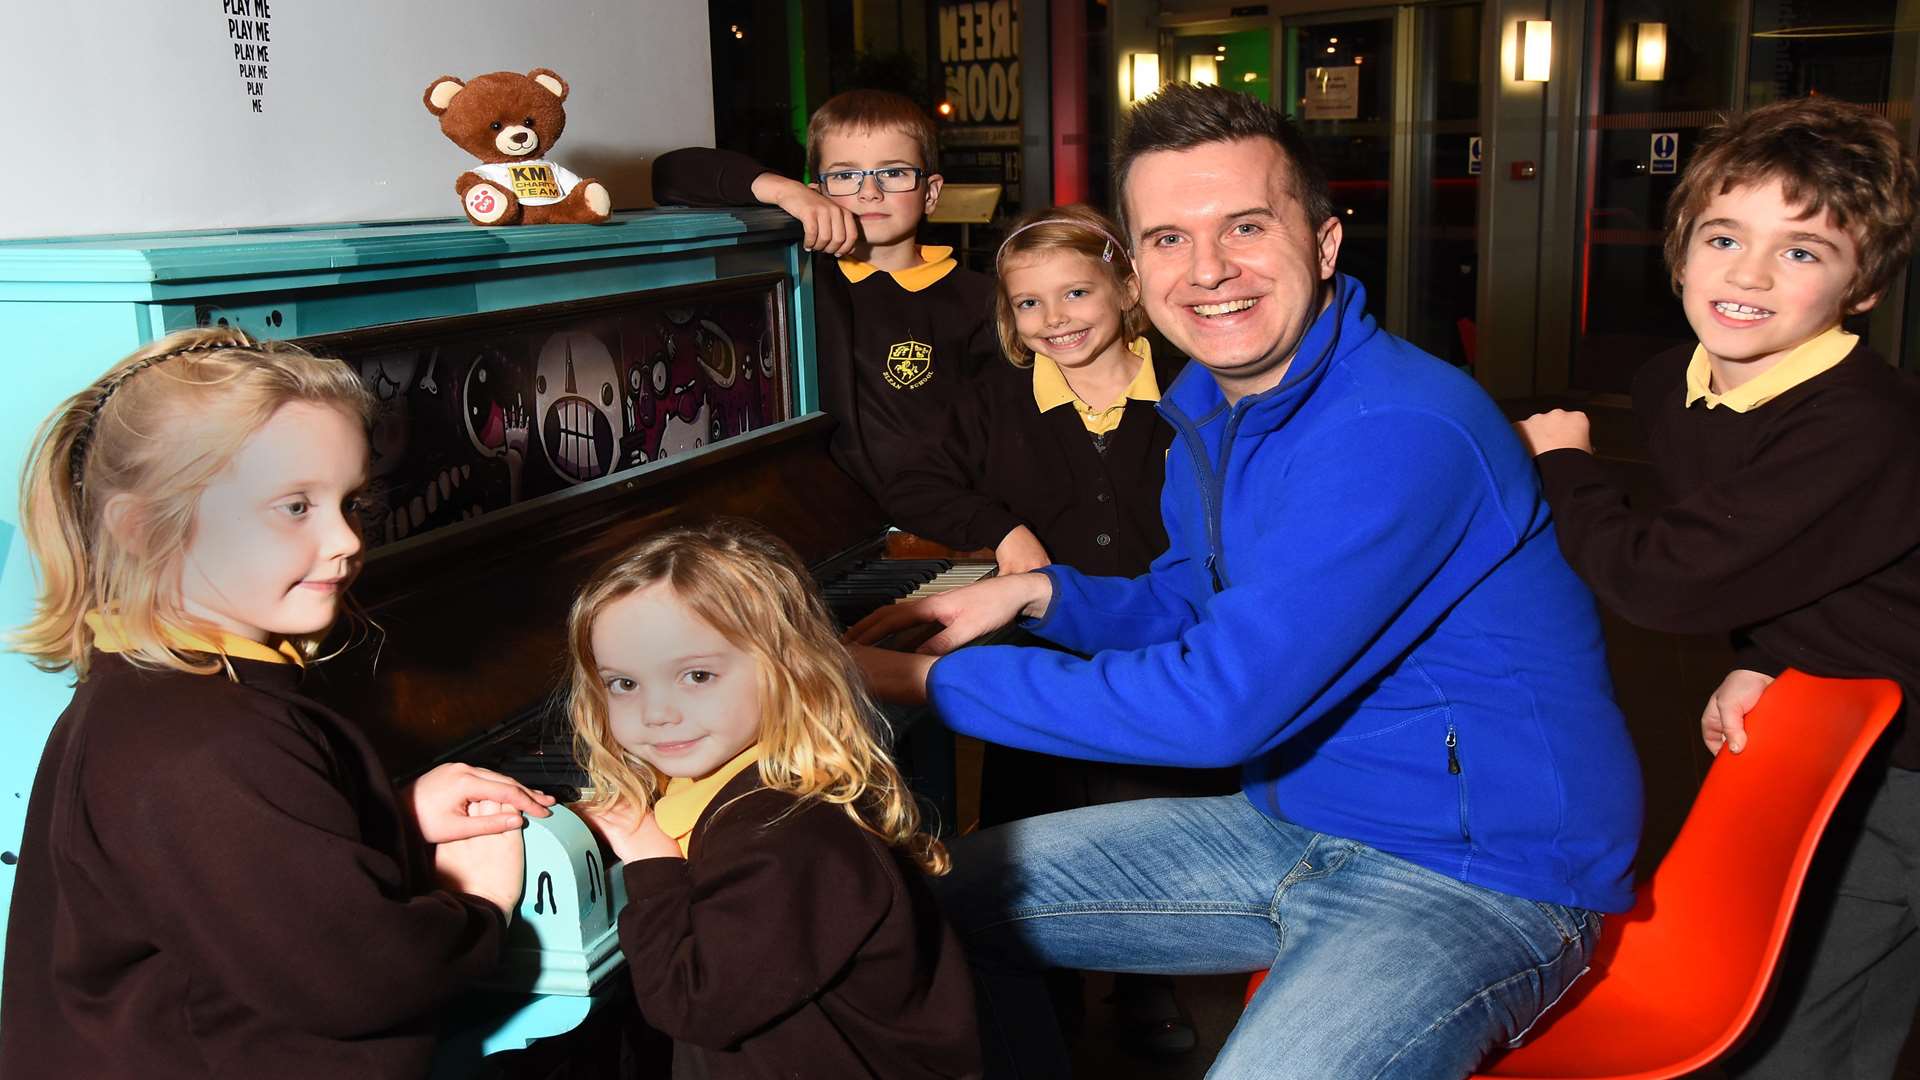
[1203, 69]
[1536, 50]
[1649, 51]
[1144, 80]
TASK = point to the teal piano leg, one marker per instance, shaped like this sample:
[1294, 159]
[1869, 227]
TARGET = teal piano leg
[490, 1023]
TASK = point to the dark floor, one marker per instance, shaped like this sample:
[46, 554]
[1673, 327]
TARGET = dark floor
[1662, 682]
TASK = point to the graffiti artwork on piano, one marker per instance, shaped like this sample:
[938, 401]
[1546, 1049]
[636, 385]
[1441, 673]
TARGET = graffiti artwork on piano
[478, 413]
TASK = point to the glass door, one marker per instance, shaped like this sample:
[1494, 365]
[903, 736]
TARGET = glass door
[1389, 102]
[1443, 213]
[1340, 87]
[1239, 59]
[1645, 121]
[1864, 51]
[1662, 72]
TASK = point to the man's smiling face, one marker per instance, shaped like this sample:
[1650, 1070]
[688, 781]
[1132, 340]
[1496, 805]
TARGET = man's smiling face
[1230, 268]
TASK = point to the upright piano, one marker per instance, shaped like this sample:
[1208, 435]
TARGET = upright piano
[545, 396]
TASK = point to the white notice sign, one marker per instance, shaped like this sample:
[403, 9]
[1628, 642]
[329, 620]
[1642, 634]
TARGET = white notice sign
[1333, 93]
[1663, 153]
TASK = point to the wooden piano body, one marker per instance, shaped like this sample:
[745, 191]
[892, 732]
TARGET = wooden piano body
[656, 369]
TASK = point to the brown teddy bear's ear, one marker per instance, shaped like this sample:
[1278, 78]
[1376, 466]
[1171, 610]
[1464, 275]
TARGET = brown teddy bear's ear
[550, 79]
[439, 95]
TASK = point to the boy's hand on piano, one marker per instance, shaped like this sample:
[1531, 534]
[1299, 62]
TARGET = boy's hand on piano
[965, 613]
[898, 677]
[1724, 723]
[1555, 430]
[442, 802]
[1020, 551]
[825, 225]
[491, 865]
[632, 836]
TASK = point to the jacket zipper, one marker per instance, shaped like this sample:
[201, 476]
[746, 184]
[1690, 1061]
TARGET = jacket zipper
[1213, 482]
[1453, 769]
[1209, 500]
[1219, 495]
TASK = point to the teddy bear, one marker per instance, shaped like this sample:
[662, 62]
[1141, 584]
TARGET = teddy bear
[508, 121]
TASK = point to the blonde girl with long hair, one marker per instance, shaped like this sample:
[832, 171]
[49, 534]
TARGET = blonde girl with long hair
[216, 876]
[777, 921]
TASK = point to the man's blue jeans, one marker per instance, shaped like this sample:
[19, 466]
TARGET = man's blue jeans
[1381, 968]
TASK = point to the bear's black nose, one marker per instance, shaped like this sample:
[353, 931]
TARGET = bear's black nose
[521, 137]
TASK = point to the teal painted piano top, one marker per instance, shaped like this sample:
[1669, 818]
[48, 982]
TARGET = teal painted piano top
[71, 306]
[141, 266]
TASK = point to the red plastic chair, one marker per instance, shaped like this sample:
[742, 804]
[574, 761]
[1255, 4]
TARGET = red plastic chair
[1676, 981]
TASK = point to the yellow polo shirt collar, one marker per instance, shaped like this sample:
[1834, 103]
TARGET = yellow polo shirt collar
[1050, 389]
[936, 262]
[681, 805]
[1809, 359]
[108, 636]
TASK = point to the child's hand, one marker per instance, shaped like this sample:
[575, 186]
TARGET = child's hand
[1724, 723]
[896, 677]
[1556, 430]
[1020, 551]
[442, 802]
[827, 226]
[632, 836]
[491, 865]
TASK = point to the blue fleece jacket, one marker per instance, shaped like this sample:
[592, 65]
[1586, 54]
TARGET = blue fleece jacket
[1364, 607]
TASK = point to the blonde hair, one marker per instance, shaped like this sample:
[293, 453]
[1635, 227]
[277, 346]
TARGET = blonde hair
[1080, 229]
[820, 735]
[863, 112]
[156, 428]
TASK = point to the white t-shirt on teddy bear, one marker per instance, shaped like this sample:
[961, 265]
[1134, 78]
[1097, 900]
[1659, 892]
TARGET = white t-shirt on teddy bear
[538, 182]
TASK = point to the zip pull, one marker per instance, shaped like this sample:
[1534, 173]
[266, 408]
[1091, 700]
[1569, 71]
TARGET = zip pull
[1453, 759]
[1213, 574]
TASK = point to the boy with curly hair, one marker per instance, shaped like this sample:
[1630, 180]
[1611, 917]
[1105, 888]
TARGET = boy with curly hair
[1791, 456]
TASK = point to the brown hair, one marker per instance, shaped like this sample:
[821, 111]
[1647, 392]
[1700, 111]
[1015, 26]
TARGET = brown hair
[863, 111]
[1828, 156]
[820, 735]
[157, 427]
[1182, 116]
[1078, 228]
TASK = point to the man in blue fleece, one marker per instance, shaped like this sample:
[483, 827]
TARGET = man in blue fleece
[1363, 607]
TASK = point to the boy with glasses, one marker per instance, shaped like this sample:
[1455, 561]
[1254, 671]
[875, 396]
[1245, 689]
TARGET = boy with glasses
[901, 326]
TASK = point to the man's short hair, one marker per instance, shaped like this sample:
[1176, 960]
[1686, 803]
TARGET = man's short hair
[863, 111]
[1182, 116]
[1828, 156]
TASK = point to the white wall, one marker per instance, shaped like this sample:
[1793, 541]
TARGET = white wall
[133, 115]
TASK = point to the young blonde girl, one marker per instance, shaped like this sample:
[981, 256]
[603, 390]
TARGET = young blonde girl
[1058, 456]
[776, 920]
[216, 877]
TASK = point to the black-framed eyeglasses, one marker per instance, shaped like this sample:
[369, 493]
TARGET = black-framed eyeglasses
[892, 179]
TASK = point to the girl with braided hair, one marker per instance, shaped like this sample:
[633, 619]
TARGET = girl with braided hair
[217, 878]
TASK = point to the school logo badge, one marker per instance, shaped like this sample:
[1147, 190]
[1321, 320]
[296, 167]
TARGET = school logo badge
[909, 365]
[534, 182]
